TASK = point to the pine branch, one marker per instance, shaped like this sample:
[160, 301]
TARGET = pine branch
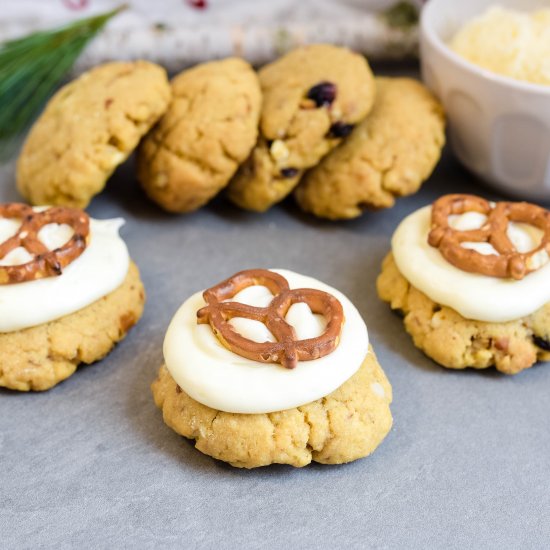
[32, 67]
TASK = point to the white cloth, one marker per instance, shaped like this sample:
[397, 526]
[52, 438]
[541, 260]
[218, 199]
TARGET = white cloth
[176, 34]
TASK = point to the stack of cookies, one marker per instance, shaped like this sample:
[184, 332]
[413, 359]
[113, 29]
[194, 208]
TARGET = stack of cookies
[315, 122]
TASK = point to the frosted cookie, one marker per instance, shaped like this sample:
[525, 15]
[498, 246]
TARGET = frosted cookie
[388, 155]
[209, 129]
[269, 367]
[88, 128]
[312, 98]
[471, 279]
[68, 293]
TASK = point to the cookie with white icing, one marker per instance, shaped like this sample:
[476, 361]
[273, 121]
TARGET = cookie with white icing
[478, 295]
[68, 293]
[273, 367]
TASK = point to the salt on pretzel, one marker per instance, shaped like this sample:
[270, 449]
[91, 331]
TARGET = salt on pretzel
[46, 263]
[287, 349]
[509, 262]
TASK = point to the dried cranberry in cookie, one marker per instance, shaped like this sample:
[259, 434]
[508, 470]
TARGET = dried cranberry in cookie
[322, 94]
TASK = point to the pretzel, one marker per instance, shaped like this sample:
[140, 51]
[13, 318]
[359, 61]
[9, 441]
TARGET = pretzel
[46, 263]
[509, 262]
[287, 349]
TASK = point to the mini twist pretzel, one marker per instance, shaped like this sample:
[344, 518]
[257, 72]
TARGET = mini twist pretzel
[287, 349]
[509, 262]
[46, 263]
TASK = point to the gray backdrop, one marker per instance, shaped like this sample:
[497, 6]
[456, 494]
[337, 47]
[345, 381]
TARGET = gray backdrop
[91, 464]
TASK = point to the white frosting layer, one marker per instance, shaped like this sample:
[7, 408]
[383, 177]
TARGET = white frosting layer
[99, 270]
[223, 380]
[474, 296]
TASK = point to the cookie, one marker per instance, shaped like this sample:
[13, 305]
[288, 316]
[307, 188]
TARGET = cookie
[388, 155]
[88, 128]
[256, 376]
[209, 129]
[465, 318]
[68, 293]
[312, 98]
[38, 358]
[346, 425]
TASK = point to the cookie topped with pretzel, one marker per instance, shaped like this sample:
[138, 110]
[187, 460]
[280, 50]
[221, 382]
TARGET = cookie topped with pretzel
[44, 262]
[271, 366]
[69, 292]
[506, 261]
[264, 340]
[470, 277]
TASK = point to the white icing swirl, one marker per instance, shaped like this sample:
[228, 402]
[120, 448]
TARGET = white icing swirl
[99, 270]
[223, 380]
[474, 296]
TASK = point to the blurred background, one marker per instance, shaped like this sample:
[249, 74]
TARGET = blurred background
[178, 33]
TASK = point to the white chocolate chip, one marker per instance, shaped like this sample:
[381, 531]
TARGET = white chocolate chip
[335, 114]
[279, 150]
[436, 320]
[161, 180]
[118, 157]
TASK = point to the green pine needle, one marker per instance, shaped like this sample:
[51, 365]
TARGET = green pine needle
[403, 15]
[32, 67]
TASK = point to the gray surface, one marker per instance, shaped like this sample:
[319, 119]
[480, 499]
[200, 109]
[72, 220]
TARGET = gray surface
[90, 463]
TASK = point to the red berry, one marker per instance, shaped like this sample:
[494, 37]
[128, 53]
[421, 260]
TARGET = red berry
[340, 130]
[323, 93]
[198, 4]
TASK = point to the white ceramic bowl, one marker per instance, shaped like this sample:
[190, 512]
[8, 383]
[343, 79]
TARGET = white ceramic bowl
[499, 127]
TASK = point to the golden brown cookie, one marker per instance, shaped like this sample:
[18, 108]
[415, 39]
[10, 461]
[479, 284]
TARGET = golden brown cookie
[88, 128]
[346, 425]
[387, 155]
[209, 129]
[40, 357]
[312, 97]
[456, 342]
